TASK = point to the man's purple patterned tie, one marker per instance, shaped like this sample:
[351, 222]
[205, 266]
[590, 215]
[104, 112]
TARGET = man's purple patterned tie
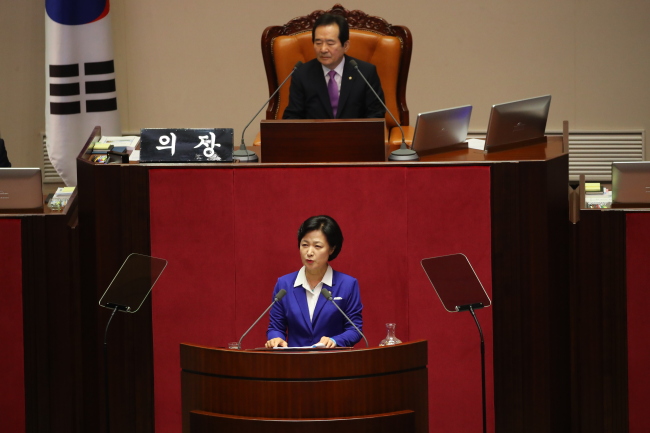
[333, 90]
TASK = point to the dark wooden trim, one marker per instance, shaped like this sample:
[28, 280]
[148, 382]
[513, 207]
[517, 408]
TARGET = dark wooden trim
[400, 421]
[51, 320]
[599, 323]
[114, 215]
[531, 297]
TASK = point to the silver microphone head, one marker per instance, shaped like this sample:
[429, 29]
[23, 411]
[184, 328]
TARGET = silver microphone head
[326, 293]
[280, 294]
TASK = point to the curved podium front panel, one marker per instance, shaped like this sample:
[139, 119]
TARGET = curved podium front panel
[206, 422]
[376, 389]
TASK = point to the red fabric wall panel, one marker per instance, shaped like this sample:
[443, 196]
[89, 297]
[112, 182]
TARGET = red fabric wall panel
[231, 238]
[449, 213]
[12, 359]
[191, 227]
[638, 319]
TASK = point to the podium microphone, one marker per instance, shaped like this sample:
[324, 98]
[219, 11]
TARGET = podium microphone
[243, 154]
[328, 296]
[277, 298]
[403, 153]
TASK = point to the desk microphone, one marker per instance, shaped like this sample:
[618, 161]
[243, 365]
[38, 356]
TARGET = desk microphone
[243, 154]
[328, 296]
[403, 153]
[277, 298]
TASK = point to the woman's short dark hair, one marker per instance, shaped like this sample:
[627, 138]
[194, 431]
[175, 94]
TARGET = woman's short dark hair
[330, 229]
[328, 19]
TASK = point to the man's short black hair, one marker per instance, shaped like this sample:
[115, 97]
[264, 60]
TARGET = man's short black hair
[330, 229]
[326, 20]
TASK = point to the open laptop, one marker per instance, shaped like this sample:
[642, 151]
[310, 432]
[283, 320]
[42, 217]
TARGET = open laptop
[21, 188]
[441, 129]
[631, 182]
[518, 121]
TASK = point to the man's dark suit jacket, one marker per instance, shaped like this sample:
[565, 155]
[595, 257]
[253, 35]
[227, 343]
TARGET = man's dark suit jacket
[308, 97]
[4, 160]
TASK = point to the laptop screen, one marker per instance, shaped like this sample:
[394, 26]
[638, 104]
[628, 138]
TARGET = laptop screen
[518, 121]
[21, 188]
[631, 182]
[440, 129]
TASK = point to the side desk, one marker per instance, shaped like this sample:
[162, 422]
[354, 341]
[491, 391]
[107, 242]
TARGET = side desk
[41, 367]
[610, 322]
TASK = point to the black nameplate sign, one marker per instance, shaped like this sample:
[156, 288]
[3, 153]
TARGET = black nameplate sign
[186, 145]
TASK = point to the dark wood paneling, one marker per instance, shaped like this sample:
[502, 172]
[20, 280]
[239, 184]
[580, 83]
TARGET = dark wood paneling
[531, 296]
[599, 323]
[114, 215]
[51, 329]
[324, 140]
[507, 294]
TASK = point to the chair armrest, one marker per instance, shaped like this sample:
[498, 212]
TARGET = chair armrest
[396, 135]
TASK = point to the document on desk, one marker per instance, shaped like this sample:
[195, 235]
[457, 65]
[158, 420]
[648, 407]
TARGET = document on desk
[134, 156]
[315, 346]
[476, 143]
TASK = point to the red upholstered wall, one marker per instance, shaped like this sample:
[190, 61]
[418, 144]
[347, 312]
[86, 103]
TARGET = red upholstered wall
[229, 234]
[638, 319]
[454, 217]
[192, 226]
[12, 374]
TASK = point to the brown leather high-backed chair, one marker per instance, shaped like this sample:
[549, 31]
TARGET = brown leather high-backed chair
[372, 39]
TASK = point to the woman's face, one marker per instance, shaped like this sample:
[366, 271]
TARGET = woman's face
[315, 251]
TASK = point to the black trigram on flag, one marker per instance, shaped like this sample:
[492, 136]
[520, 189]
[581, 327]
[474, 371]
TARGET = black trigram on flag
[91, 87]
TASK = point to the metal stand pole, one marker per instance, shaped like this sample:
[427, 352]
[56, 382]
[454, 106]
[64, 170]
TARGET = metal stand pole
[480, 331]
[106, 402]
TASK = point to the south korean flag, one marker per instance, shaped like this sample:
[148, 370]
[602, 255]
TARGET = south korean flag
[80, 79]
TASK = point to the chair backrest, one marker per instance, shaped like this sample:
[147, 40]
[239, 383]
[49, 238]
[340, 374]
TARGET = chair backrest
[372, 39]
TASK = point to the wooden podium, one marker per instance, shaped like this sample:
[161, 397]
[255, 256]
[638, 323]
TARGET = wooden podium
[323, 140]
[381, 389]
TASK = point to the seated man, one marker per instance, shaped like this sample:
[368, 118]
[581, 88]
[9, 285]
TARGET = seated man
[315, 95]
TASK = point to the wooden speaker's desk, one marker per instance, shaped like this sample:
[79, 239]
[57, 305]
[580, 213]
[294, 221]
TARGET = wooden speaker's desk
[380, 389]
